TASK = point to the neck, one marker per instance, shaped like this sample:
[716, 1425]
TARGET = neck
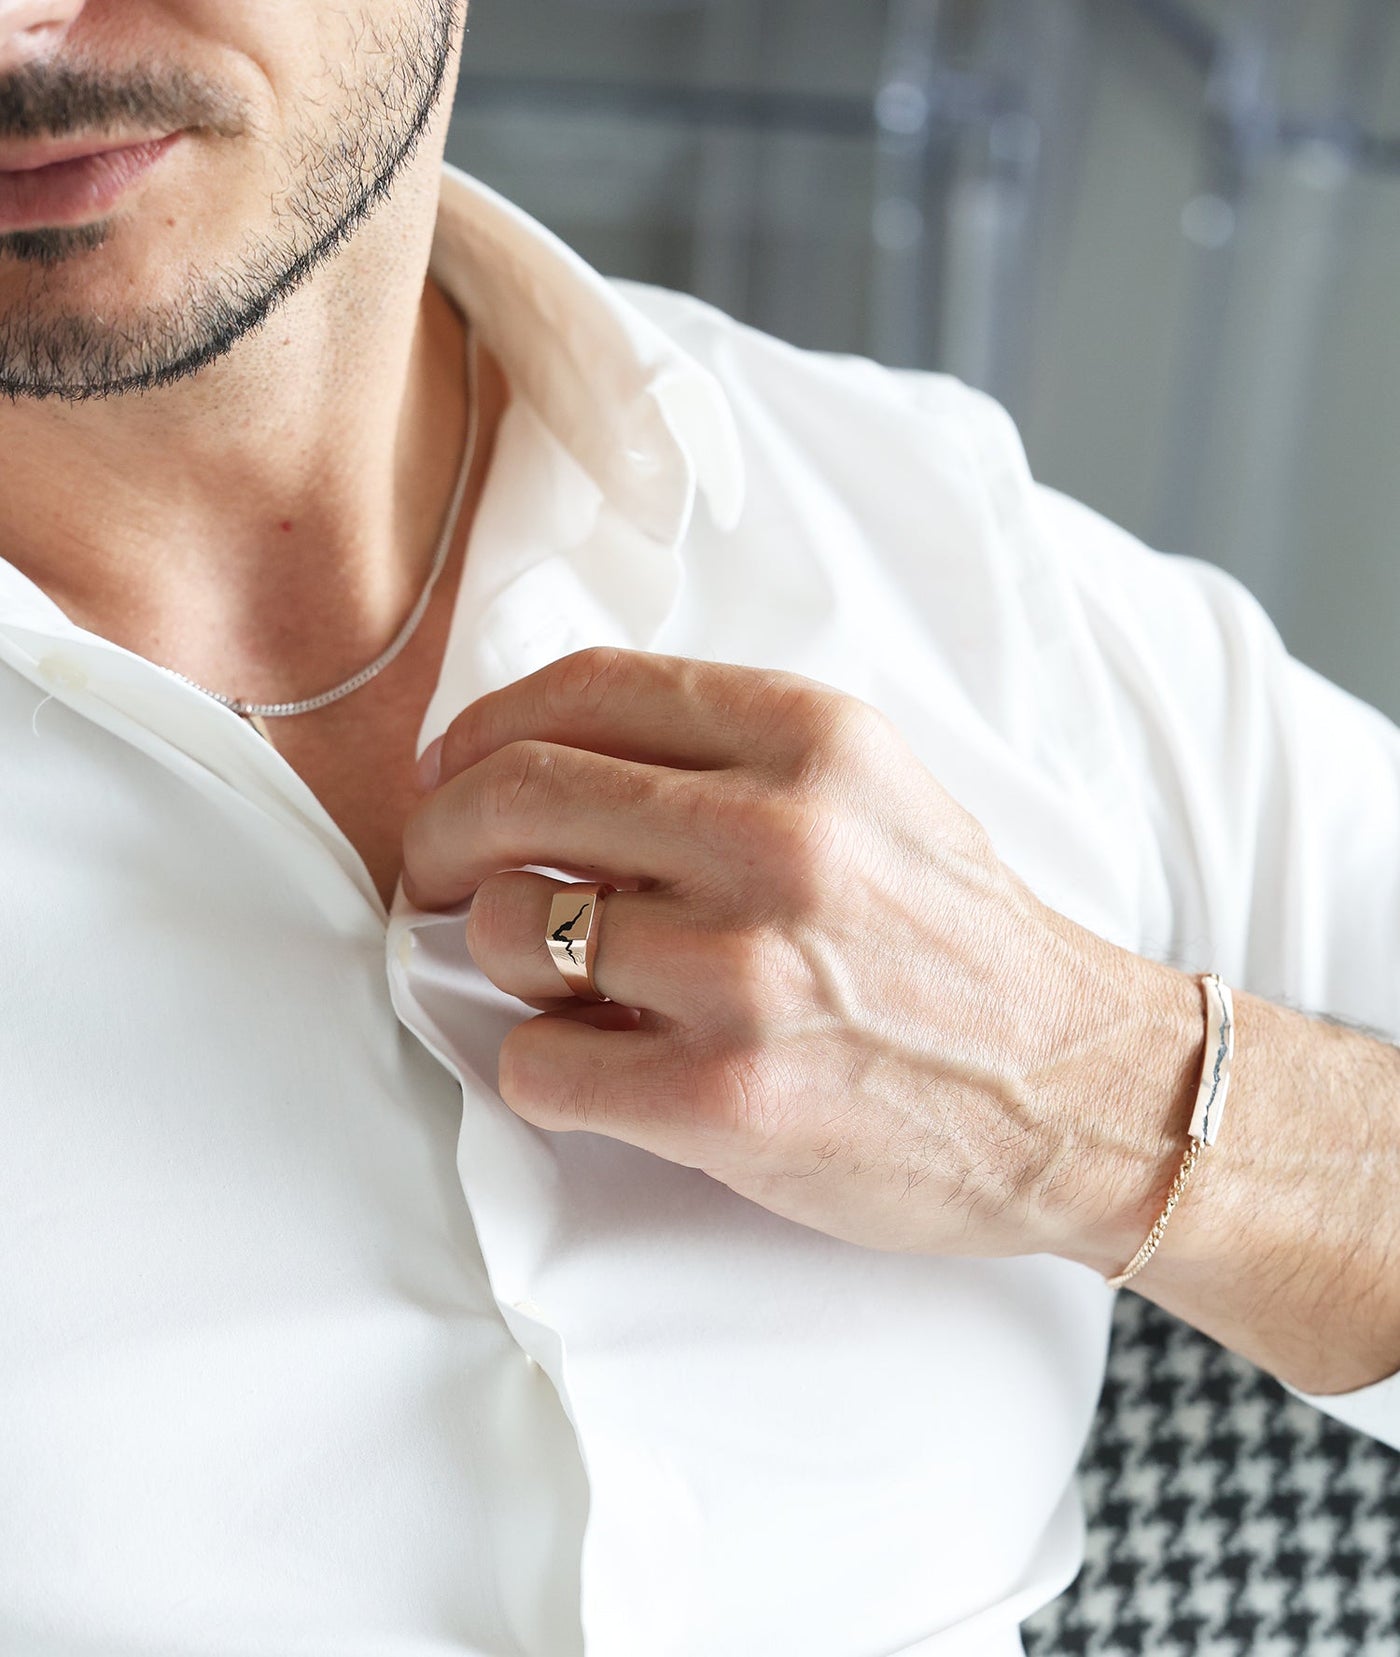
[266, 525]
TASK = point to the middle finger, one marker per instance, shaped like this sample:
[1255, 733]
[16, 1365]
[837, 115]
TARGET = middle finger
[561, 808]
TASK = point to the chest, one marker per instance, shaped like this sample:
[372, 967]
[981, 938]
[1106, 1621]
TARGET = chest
[363, 775]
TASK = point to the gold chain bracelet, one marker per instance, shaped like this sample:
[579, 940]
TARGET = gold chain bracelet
[1205, 1118]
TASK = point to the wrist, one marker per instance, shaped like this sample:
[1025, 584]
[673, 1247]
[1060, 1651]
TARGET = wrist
[1124, 1108]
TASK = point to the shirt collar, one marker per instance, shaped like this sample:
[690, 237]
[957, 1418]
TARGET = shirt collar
[644, 419]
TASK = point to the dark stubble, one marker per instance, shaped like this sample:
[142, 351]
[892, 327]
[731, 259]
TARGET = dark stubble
[334, 178]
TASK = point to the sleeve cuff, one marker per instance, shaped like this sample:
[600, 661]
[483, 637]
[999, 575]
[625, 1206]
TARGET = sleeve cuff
[1374, 1410]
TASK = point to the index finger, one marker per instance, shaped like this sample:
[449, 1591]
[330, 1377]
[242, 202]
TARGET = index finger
[629, 704]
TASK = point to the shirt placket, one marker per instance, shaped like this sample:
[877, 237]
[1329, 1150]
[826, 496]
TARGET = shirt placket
[507, 1168]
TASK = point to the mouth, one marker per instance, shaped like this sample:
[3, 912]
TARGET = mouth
[44, 186]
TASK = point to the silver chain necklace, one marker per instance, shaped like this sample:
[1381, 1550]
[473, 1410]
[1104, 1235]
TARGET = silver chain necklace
[254, 712]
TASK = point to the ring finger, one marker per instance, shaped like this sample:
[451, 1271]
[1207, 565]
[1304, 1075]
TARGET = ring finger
[639, 952]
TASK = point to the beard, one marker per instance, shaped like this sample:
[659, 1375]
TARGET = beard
[333, 178]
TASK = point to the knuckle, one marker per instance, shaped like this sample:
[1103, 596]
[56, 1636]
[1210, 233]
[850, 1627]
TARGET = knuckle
[823, 727]
[816, 859]
[736, 963]
[639, 785]
[796, 826]
[584, 679]
[753, 986]
[467, 737]
[792, 704]
[848, 734]
[487, 917]
[859, 726]
[737, 1087]
[522, 773]
[794, 846]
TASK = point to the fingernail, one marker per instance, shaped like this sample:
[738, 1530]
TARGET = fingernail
[429, 765]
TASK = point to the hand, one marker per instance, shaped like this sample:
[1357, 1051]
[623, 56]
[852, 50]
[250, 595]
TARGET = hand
[830, 993]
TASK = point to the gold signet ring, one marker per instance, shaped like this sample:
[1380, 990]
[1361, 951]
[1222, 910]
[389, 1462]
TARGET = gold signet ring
[572, 936]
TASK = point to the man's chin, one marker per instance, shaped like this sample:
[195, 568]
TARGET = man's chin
[81, 339]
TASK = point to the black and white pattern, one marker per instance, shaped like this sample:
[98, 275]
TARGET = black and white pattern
[1226, 1518]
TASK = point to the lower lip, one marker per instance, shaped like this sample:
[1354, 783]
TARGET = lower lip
[69, 192]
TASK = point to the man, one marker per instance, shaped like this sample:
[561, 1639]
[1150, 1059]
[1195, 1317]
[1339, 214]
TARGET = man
[760, 1307]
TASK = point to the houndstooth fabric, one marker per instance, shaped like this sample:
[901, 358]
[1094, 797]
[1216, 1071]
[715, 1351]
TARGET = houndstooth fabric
[1226, 1518]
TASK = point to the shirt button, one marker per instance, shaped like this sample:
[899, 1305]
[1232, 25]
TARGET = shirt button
[531, 1308]
[405, 948]
[63, 673]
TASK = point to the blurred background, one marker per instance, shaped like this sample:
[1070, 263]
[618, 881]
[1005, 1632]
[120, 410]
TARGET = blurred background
[1164, 233]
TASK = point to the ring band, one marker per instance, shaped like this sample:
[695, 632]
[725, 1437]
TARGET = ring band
[572, 933]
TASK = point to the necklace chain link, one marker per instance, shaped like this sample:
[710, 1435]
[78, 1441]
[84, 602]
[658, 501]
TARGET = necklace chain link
[282, 709]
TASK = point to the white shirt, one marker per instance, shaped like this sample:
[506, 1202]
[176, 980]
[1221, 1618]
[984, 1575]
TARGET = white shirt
[309, 1344]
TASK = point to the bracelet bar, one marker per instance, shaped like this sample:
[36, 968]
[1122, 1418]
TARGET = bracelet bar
[1219, 1054]
[1216, 1059]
